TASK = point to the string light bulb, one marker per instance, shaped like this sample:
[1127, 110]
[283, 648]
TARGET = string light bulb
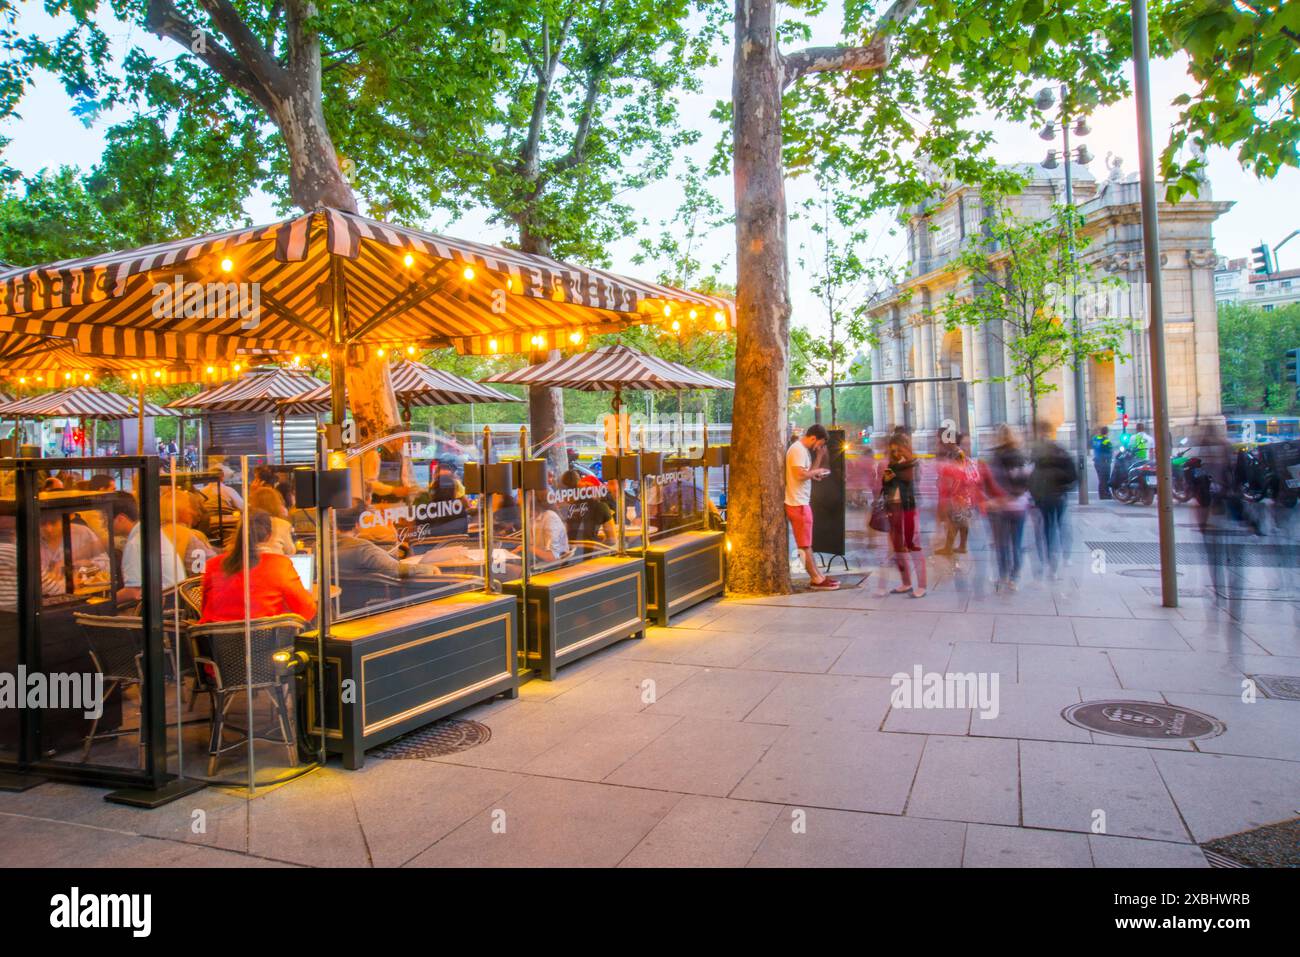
[492, 345]
[409, 260]
[668, 309]
[135, 377]
[157, 373]
[227, 265]
[694, 314]
[719, 318]
[380, 352]
[410, 350]
[211, 370]
[468, 273]
[236, 367]
[575, 337]
[67, 377]
[677, 326]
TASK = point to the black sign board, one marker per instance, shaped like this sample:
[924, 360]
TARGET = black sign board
[828, 499]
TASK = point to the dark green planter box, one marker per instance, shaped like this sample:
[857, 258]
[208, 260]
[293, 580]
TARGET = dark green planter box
[411, 666]
[683, 570]
[580, 609]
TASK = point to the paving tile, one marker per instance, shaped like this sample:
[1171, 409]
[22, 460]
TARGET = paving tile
[1088, 604]
[1267, 728]
[1111, 851]
[1221, 637]
[724, 694]
[1176, 671]
[1281, 636]
[828, 838]
[697, 756]
[822, 700]
[1033, 630]
[1063, 786]
[1014, 604]
[968, 779]
[809, 655]
[1031, 711]
[595, 750]
[1221, 794]
[944, 720]
[835, 767]
[705, 832]
[710, 649]
[550, 823]
[314, 822]
[1267, 664]
[891, 624]
[1054, 664]
[403, 806]
[967, 626]
[989, 845]
[522, 733]
[884, 657]
[626, 686]
[816, 621]
[1129, 633]
[988, 658]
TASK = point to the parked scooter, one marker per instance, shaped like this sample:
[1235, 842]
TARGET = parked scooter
[1182, 489]
[1132, 480]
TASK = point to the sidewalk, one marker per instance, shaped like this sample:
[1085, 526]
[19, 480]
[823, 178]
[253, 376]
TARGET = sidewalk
[762, 733]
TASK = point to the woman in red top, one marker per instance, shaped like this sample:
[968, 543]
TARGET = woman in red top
[961, 492]
[274, 587]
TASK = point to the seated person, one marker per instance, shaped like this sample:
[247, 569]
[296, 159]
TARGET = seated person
[87, 550]
[589, 519]
[176, 514]
[505, 513]
[274, 587]
[219, 496]
[266, 499]
[173, 569]
[357, 557]
[547, 535]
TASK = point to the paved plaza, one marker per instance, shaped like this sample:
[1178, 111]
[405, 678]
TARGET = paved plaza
[760, 733]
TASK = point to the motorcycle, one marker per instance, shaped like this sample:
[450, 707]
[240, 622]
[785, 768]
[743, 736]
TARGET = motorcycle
[1182, 489]
[1132, 480]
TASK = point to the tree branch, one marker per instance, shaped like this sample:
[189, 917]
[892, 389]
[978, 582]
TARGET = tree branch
[874, 55]
[163, 19]
[245, 45]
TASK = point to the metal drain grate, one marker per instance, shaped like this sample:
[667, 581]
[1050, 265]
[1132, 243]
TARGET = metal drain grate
[1285, 687]
[449, 736]
[1195, 553]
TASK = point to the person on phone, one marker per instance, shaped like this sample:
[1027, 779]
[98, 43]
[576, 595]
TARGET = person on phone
[898, 487]
[799, 476]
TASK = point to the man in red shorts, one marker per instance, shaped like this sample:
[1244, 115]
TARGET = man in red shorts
[799, 476]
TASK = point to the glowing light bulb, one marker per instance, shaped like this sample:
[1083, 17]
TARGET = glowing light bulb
[236, 367]
[67, 377]
[510, 283]
[409, 260]
[380, 352]
[492, 345]
[575, 337]
[410, 350]
[297, 359]
[468, 273]
[86, 377]
[23, 380]
[694, 313]
[325, 356]
[211, 370]
[668, 310]
[227, 265]
[677, 326]
[719, 318]
[135, 377]
[157, 373]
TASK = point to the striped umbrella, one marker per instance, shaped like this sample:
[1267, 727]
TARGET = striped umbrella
[79, 402]
[258, 390]
[415, 384]
[611, 369]
[329, 279]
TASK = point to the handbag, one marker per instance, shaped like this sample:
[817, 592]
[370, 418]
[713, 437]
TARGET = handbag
[879, 520]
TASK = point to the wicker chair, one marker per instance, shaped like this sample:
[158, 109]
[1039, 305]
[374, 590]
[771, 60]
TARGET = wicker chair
[117, 649]
[220, 647]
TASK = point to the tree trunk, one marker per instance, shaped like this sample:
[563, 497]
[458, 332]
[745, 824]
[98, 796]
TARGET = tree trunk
[545, 405]
[759, 562]
[315, 177]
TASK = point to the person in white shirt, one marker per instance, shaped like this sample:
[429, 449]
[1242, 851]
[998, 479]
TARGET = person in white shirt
[550, 539]
[799, 476]
[173, 569]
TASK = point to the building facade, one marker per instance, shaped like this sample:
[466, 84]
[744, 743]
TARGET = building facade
[914, 341]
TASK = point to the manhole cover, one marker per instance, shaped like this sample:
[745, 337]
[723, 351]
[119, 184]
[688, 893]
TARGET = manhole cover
[1143, 719]
[435, 740]
[1286, 687]
[1144, 573]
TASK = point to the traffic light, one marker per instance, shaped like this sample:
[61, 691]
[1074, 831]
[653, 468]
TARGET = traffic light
[1263, 260]
[1119, 405]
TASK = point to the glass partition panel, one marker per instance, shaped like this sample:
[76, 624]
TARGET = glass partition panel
[570, 521]
[10, 624]
[675, 500]
[404, 540]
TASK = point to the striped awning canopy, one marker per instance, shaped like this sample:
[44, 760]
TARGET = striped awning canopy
[79, 402]
[415, 384]
[39, 360]
[612, 368]
[272, 287]
[258, 390]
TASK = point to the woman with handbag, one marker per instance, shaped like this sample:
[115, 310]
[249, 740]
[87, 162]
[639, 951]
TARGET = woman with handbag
[898, 489]
[961, 493]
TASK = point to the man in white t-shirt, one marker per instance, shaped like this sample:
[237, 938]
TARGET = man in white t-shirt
[799, 476]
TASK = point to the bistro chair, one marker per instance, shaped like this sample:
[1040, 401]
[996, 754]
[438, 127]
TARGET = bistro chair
[117, 650]
[189, 596]
[222, 652]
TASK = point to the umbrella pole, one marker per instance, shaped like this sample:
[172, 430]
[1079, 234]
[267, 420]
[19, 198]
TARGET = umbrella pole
[338, 309]
[618, 453]
[522, 497]
[704, 457]
[139, 423]
[645, 522]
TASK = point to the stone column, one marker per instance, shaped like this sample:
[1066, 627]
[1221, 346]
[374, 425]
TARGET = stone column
[928, 426]
[879, 414]
[900, 366]
[1205, 317]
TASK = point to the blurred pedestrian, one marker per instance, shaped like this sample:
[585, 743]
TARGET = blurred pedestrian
[1053, 476]
[1010, 472]
[898, 487]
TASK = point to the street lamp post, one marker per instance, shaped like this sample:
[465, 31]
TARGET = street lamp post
[1045, 100]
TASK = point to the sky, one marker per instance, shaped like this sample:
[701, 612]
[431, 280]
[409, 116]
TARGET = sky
[49, 135]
